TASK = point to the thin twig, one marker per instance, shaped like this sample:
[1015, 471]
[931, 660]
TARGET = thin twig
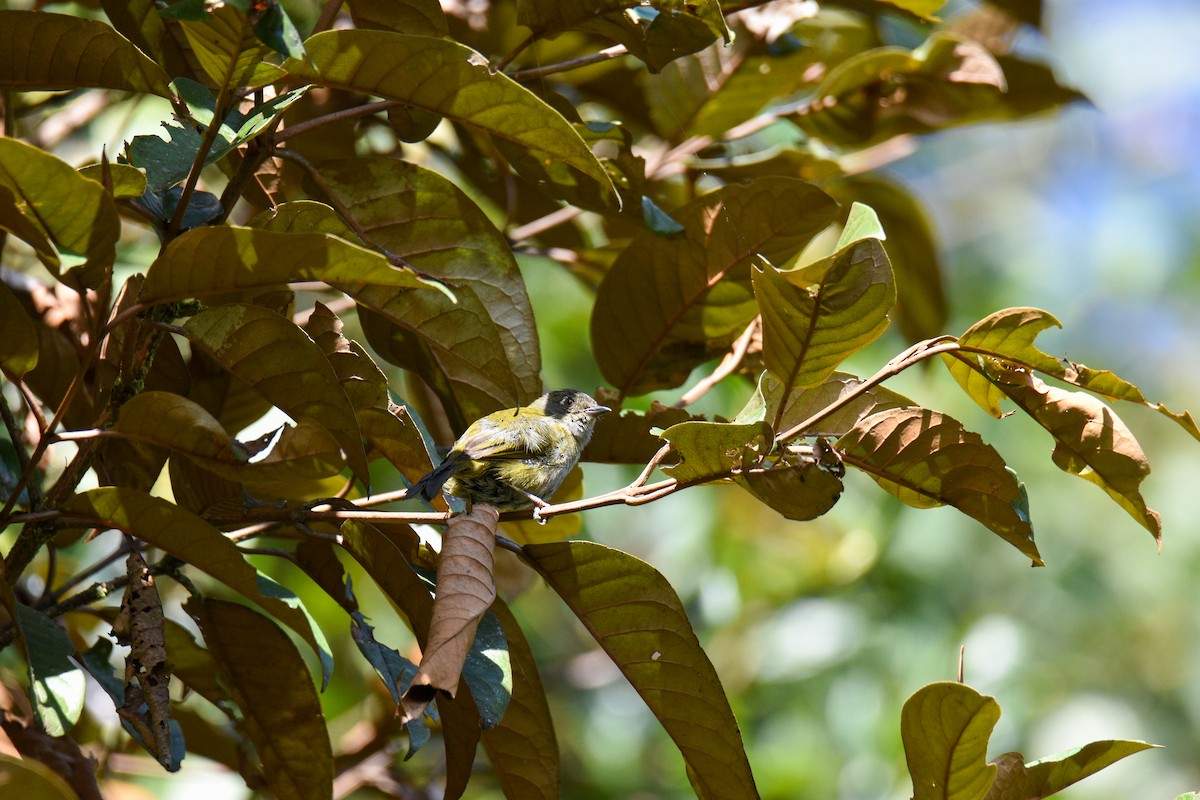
[516, 51]
[540, 226]
[328, 15]
[301, 128]
[211, 131]
[608, 53]
[728, 364]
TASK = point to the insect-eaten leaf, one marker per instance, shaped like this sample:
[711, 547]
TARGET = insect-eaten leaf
[710, 451]
[802, 490]
[926, 459]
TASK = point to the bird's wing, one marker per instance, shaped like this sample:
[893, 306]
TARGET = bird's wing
[491, 444]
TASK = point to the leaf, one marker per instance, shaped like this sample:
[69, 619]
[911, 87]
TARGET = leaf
[656, 31]
[522, 748]
[24, 777]
[1090, 441]
[466, 588]
[56, 51]
[303, 452]
[280, 712]
[921, 309]
[926, 459]
[481, 344]
[56, 684]
[800, 490]
[637, 618]
[800, 406]
[945, 728]
[815, 318]
[220, 259]
[140, 22]
[625, 437]
[417, 17]
[1049, 776]
[449, 79]
[284, 366]
[712, 450]
[127, 181]
[193, 541]
[228, 48]
[76, 214]
[19, 334]
[667, 305]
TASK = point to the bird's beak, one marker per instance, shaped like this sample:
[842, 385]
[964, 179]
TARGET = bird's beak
[598, 411]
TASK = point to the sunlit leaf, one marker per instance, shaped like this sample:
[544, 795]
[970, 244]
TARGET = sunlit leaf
[711, 450]
[55, 51]
[669, 304]
[1048, 776]
[479, 350]
[127, 181]
[814, 318]
[57, 685]
[945, 728]
[927, 459]
[139, 22]
[76, 214]
[19, 334]
[522, 748]
[228, 49]
[280, 711]
[283, 365]
[1090, 440]
[807, 403]
[449, 79]
[637, 619]
[193, 541]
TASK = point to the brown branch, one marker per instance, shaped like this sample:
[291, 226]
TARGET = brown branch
[301, 128]
[608, 53]
[728, 364]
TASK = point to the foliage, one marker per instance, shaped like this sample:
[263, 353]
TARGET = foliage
[337, 214]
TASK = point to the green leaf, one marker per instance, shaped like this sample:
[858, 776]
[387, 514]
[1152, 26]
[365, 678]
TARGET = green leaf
[522, 748]
[55, 51]
[193, 541]
[1050, 775]
[945, 728]
[19, 334]
[452, 80]
[57, 684]
[799, 489]
[669, 304]
[637, 618]
[479, 350]
[275, 28]
[657, 220]
[416, 17]
[280, 711]
[1090, 440]
[711, 450]
[127, 181]
[801, 406]
[228, 49]
[28, 778]
[221, 259]
[283, 365]
[921, 309]
[815, 318]
[656, 31]
[75, 213]
[927, 459]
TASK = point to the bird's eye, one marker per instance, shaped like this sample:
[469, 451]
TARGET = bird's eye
[567, 401]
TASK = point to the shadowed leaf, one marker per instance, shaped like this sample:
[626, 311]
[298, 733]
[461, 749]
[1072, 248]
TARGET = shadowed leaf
[799, 490]
[74, 213]
[56, 684]
[945, 728]
[449, 79]
[280, 712]
[1048, 776]
[800, 406]
[24, 777]
[192, 540]
[417, 17]
[228, 49]
[927, 459]
[283, 365]
[56, 51]
[625, 437]
[217, 260]
[669, 304]
[19, 334]
[637, 619]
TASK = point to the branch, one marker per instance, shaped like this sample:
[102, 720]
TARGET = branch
[616, 51]
[210, 137]
[728, 364]
[365, 109]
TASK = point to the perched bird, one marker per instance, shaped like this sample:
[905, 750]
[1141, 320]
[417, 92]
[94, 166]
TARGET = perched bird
[516, 458]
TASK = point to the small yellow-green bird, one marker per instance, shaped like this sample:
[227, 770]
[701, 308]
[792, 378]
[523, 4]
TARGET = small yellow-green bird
[516, 458]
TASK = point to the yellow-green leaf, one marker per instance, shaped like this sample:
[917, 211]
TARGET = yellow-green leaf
[193, 541]
[711, 450]
[220, 259]
[669, 304]
[25, 777]
[57, 685]
[283, 365]
[927, 459]
[1008, 333]
[637, 619]
[56, 51]
[945, 728]
[75, 213]
[127, 181]
[228, 49]
[449, 79]
[19, 334]
[1049, 776]
[419, 17]
[280, 711]
[803, 405]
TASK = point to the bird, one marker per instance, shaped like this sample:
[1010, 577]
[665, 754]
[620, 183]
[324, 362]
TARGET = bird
[518, 457]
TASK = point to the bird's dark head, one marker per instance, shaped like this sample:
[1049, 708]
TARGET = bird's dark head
[577, 409]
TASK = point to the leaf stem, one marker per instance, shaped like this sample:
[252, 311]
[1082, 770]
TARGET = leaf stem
[363, 110]
[206, 142]
[728, 364]
[533, 73]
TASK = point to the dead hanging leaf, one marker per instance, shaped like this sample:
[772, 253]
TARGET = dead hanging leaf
[139, 626]
[1090, 440]
[60, 754]
[928, 459]
[466, 589]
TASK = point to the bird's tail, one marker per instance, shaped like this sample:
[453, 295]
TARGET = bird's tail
[431, 485]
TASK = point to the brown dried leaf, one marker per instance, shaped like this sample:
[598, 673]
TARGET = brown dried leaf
[60, 753]
[466, 589]
[139, 627]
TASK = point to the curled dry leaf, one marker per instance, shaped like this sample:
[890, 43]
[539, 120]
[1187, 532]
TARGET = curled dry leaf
[466, 589]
